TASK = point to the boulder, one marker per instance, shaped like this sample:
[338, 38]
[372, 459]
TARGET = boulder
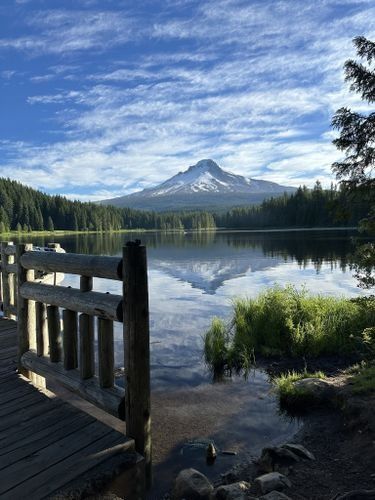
[299, 450]
[272, 481]
[275, 495]
[235, 491]
[191, 484]
[317, 388]
[277, 459]
[357, 495]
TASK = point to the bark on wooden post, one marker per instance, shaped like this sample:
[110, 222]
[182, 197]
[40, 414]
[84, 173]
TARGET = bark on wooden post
[70, 339]
[106, 353]
[5, 278]
[54, 333]
[42, 344]
[86, 336]
[137, 351]
[25, 318]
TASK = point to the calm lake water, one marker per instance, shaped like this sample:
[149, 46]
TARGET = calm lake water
[193, 277]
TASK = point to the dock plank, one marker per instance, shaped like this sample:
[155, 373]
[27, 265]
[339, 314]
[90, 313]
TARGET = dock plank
[45, 443]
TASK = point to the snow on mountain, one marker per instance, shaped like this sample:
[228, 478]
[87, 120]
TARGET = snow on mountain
[207, 177]
[202, 185]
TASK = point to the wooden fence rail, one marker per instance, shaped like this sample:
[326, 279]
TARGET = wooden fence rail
[64, 350]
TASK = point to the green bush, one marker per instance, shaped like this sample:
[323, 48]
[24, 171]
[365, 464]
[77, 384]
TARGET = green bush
[291, 322]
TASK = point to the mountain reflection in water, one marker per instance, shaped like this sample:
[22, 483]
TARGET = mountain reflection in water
[194, 276]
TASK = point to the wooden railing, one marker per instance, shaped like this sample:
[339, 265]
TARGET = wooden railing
[65, 350]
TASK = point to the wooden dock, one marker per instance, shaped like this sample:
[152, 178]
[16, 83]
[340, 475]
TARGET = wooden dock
[46, 444]
[50, 337]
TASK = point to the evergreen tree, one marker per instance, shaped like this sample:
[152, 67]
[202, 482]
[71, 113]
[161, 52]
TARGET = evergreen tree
[50, 226]
[357, 141]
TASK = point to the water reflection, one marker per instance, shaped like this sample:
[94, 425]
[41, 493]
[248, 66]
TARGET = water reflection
[194, 277]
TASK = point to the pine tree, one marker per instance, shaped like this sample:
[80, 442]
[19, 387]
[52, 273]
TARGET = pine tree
[50, 226]
[357, 141]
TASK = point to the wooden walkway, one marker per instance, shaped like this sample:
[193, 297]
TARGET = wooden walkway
[46, 445]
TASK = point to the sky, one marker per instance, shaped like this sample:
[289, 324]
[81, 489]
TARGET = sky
[101, 98]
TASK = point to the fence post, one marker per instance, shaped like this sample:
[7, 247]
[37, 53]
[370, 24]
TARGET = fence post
[5, 279]
[137, 351]
[25, 316]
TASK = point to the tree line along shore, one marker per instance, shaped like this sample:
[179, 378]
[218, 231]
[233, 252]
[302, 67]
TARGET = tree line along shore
[23, 209]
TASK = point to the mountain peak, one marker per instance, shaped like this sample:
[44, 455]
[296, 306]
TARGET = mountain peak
[203, 184]
[206, 165]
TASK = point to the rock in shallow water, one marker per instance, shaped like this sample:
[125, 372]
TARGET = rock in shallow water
[358, 495]
[235, 491]
[277, 459]
[299, 450]
[191, 484]
[275, 495]
[272, 481]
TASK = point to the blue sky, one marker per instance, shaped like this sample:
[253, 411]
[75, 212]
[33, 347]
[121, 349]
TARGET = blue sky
[103, 97]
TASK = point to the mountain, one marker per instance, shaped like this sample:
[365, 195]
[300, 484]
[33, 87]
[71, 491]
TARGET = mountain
[201, 186]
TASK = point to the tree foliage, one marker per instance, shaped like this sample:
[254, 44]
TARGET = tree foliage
[357, 141]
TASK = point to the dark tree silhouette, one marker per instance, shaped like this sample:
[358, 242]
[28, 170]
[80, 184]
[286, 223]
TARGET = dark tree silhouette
[357, 141]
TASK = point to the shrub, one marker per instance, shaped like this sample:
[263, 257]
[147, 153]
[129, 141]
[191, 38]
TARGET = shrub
[291, 322]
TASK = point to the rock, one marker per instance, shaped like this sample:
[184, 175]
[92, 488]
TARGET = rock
[211, 452]
[299, 450]
[316, 387]
[272, 481]
[235, 491]
[275, 495]
[277, 459]
[191, 484]
[357, 495]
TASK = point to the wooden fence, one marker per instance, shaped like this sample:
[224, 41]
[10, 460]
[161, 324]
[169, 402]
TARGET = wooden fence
[65, 350]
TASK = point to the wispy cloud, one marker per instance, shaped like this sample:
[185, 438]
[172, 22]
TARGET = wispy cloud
[134, 98]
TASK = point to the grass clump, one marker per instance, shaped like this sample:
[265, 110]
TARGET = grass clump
[291, 322]
[296, 399]
[216, 347]
[363, 378]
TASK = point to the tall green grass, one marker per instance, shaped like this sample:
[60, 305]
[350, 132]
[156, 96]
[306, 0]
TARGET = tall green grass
[291, 322]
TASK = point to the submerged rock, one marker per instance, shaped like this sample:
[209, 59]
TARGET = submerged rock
[272, 481]
[299, 450]
[235, 491]
[191, 484]
[275, 495]
[211, 452]
[357, 495]
[277, 459]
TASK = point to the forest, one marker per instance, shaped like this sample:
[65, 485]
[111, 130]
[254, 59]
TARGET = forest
[25, 209]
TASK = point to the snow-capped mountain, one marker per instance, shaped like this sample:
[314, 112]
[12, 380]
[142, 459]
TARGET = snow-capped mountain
[204, 185]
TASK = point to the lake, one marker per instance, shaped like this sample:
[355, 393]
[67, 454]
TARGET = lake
[192, 278]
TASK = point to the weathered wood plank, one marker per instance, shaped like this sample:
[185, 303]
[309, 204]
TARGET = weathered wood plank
[19, 405]
[53, 415]
[55, 477]
[106, 354]
[86, 335]
[45, 438]
[110, 399]
[5, 278]
[42, 342]
[70, 339]
[54, 333]
[137, 351]
[93, 303]
[72, 263]
[25, 319]
[32, 465]
[35, 407]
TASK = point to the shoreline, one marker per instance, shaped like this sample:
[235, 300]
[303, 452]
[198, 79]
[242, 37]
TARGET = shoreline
[62, 232]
